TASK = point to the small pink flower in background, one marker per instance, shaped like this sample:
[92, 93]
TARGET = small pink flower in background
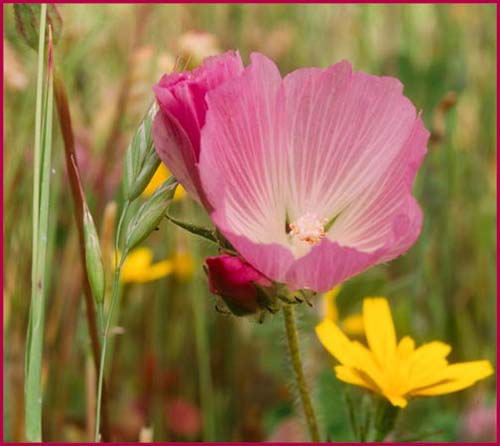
[177, 126]
[235, 281]
[183, 418]
[309, 177]
[479, 423]
[290, 430]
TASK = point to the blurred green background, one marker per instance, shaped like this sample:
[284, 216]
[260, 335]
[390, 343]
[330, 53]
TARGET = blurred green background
[177, 361]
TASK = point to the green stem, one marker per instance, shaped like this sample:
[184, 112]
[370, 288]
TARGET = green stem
[109, 317]
[100, 316]
[293, 347]
[105, 333]
[119, 230]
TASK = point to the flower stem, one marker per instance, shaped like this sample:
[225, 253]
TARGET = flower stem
[293, 348]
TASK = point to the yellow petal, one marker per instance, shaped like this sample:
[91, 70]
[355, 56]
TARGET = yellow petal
[158, 270]
[137, 261]
[368, 367]
[397, 400]
[401, 374]
[431, 350]
[405, 347]
[180, 193]
[457, 377]
[159, 177]
[183, 265]
[426, 362]
[333, 293]
[379, 329]
[139, 257]
[351, 376]
[138, 268]
[336, 342]
[329, 301]
[353, 324]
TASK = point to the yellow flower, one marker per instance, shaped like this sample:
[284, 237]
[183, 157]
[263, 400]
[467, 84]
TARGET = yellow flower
[138, 267]
[397, 371]
[351, 324]
[183, 265]
[160, 176]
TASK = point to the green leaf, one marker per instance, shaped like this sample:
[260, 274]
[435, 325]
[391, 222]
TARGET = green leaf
[149, 215]
[332, 409]
[419, 436]
[28, 23]
[41, 207]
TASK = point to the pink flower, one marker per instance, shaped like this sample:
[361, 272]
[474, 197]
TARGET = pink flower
[235, 281]
[479, 423]
[309, 177]
[177, 126]
[184, 418]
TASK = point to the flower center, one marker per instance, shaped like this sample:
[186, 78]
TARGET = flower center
[309, 228]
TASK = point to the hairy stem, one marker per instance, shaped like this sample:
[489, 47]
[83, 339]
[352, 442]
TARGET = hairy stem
[293, 349]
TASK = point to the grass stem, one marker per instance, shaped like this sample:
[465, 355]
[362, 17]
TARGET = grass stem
[109, 317]
[79, 201]
[41, 188]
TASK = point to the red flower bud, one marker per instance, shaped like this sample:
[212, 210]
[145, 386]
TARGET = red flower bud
[234, 280]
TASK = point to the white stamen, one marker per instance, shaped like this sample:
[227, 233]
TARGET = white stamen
[309, 228]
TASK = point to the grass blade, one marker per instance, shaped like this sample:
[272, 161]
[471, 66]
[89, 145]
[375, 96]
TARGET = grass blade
[41, 195]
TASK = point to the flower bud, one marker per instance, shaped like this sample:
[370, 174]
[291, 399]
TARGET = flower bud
[237, 283]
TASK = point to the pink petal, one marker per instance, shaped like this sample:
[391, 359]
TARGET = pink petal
[175, 149]
[342, 146]
[176, 131]
[386, 214]
[240, 161]
[344, 130]
[326, 265]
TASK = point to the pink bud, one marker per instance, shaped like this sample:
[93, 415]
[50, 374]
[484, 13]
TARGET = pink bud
[235, 281]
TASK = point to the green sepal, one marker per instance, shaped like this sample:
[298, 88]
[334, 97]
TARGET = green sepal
[385, 418]
[201, 231]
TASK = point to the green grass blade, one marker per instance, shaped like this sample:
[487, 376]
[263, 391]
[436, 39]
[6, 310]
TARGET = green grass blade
[41, 205]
